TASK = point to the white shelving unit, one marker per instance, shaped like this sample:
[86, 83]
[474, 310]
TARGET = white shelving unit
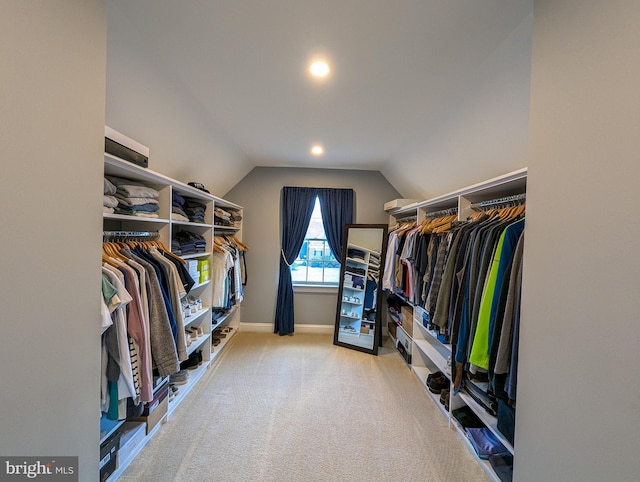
[202, 290]
[428, 353]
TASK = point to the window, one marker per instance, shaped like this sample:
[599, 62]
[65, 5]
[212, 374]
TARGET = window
[315, 263]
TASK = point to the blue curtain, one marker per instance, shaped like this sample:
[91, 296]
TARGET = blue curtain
[296, 205]
[336, 206]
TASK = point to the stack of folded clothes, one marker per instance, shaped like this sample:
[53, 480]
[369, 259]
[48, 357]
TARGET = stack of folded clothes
[135, 198]
[222, 217]
[485, 442]
[188, 243]
[109, 201]
[235, 218]
[195, 210]
[177, 208]
[175, 247]
[356, 254]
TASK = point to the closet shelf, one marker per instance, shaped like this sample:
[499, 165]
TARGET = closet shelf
[350, 317]
[191, 224]
[195, 316]
[196, 255]
[421, 373]
[357, 261]
[126, 217]
[216, 350]
[433, 354]
[197, 343]
[225, 228]
[485, 464]
[220, 321]
[488, 420]
[108, 427]
[199, 285]
[194, 376]
[353, 289]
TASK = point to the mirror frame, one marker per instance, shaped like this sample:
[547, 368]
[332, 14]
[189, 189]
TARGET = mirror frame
[377, 336]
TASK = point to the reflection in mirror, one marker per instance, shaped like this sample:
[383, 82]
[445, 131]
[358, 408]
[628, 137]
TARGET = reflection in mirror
[358, 311]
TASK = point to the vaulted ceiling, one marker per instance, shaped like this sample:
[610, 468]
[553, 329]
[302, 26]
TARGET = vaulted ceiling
[432, 93]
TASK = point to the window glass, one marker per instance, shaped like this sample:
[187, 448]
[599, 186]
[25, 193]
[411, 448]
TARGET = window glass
[315, 263]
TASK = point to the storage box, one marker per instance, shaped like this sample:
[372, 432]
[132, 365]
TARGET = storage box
[121, 146]
[391, 326]
[407, 320]
[398, 203]
[203, 265]
[404, 345]
[155, 410]
[108, 456]
[131, 435]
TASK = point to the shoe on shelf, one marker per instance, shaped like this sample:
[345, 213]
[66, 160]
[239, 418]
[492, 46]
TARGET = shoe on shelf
[193, 362]
[437, 384]
[437, 374]
[179, 378]
[444, 398]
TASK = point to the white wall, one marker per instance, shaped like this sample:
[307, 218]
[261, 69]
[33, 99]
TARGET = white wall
[482, 131]
[149, 105]
[259, 194]
[52, 66]
[578, 415]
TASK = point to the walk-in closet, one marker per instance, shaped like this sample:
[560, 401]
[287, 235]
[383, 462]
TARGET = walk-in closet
[188, 291]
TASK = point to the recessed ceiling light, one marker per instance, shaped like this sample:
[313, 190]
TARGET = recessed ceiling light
[317, 150]
[319, 68]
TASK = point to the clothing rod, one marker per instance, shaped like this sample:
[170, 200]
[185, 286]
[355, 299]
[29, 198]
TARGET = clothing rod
[130, 234]
[408, 219]
[502, 200]
[442, 212]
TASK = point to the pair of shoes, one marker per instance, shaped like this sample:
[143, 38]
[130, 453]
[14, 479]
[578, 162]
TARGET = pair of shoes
[179, 378]
[444, 398]
[193, 362]
[433, 375]
[194, 332]
[438, 383]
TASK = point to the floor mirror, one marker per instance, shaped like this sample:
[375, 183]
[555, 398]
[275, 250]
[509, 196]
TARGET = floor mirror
[358, 320]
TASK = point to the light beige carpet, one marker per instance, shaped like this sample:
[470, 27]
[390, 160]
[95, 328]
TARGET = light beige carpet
[298, 408]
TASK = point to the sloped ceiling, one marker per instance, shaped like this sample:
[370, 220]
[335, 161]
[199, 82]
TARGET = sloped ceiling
[432, 93]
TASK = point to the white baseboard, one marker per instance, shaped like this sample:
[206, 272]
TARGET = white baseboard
[268, 328]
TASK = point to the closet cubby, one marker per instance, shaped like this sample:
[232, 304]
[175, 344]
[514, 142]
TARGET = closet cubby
[427, 351]
[199, 316]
